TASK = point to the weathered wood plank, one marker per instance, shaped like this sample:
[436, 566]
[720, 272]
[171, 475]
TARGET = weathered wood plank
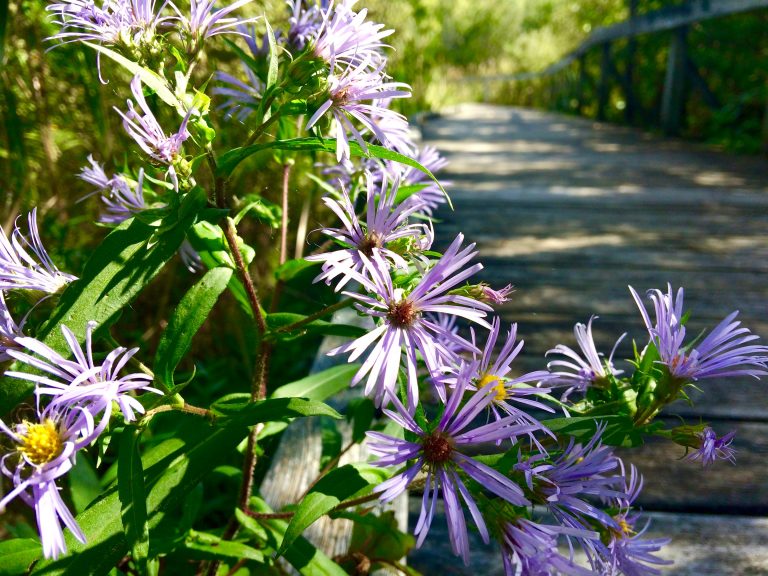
[701, 545]
[571, 215]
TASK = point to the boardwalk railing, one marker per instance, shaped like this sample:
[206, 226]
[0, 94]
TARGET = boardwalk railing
[680, 68]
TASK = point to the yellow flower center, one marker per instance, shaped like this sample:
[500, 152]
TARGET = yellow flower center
[500, 391]
[42, 442]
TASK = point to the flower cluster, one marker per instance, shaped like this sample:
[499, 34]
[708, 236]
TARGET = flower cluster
[75, 400]
[465, 424]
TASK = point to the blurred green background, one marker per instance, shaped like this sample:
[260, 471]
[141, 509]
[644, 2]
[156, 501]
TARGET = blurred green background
[54, 111]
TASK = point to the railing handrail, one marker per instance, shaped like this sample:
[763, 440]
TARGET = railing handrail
[657, 21]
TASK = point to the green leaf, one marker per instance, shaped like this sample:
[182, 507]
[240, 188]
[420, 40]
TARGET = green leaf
[133, 500]
[264, 210]
[290, 268]
[331, 441]
[187, 319]
[3, 27]
[620, 430]
[171, 471]
[17, 555]
[273, 56]
[229, 161]
[251, 525]
[123, 264]
[83, 482]
[148, 77]
[362, 413]
[320, 385]
[332, 489]
[203, 546]
[304, 557]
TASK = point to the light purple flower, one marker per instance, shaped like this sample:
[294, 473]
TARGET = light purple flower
[385, 223]
[25, 264]
[430, 197]
[45, 451]
[81, 381]
[580, 373]
[496, 297]
[122, 203]
[241, 98]
[508, 391]
[723, 352]
[144, 128]
[440, 453]
[626, 551]
[127, 22]
[304, 22]
[580, 472]
[345, 38]
[347, 94]
[530, 549]
[403, 327]
[204, 22]
[9, 330]
[713, 448]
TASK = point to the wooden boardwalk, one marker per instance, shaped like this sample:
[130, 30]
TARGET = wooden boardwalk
[571, 212]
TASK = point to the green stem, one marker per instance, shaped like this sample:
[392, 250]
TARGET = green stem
[319, 314]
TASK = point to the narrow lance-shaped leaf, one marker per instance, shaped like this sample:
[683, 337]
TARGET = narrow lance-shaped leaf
[320, 385]
[335, 487]
[187, 319]
[130, 484]
[148, 77]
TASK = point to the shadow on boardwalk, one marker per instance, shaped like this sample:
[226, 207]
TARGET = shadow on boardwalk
[571, 212]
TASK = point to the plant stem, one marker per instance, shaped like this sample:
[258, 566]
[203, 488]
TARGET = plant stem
[287, 515]
[319, 314]
[284, 219]
[188, 408]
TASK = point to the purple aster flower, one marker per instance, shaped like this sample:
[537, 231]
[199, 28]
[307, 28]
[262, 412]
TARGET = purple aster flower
[347, 93]
[122, 203]
[723, 352]
[530, 549]
[144, 128]
[713, 448]
[82, 381]
[403, 324]
[430, 197]
[487, 370]
[45, 451]
[385, 223]
[130, 23]
[626, 551]
[25, 264]
[9, 330]
[397, 130]
[241, 98]
[580, 472]
[439, 451]
[448, 333]
[580, 373]
[304, 22]
[496, 297]
[346, 39]
[204, 22]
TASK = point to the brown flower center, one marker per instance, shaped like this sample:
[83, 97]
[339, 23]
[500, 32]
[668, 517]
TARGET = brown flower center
[402, 314]
[437, 448]
[370, 242]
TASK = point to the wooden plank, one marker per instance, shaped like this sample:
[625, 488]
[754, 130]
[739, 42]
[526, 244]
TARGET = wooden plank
[701, 545]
